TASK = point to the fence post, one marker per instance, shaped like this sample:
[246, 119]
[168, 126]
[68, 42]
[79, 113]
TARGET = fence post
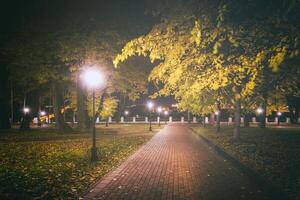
[206, 120]
[194, 120]
[182, 119]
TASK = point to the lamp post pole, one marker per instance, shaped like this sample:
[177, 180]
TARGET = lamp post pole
[260, 117]
[159, 109]
[93, 79]
[150, 125]
[94, 156]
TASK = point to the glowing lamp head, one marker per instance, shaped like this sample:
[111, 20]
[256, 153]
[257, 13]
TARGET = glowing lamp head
[279, 113]
[93, 77]
[217, 113]
[150, 105]
[126, 112]
[26, 110]
[259, 110]
[166, 113]
[42, 113]
[159, 109]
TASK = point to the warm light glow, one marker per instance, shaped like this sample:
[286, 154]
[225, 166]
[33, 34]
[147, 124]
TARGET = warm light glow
[259, 110]
[217, 113]
[279, 113]
[42, 113]
[150, 105]
[26, 110]
[159, 109]
[166, 112]
[93, 77]
[126, 112]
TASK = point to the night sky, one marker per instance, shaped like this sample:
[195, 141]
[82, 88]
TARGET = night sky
[25, 20]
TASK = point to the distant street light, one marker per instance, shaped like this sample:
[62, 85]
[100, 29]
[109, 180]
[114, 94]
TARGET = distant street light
[279, 113]
[166, 113]
[217, 113]
[278, 119]
[150, 106]
[159, 110]
[42, 113]
[26, 110]
[126, 113]
[259, 112]
[93, 78]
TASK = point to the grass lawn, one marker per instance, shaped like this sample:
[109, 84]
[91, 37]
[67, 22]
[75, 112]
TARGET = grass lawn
[47, 164]
[274, 153]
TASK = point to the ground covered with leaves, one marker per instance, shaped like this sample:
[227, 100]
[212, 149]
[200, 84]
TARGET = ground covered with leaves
[46, 164]
[273, 152]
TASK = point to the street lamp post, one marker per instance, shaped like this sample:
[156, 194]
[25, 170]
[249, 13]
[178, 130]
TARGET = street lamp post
[93, 79]
[278, 117]
[126, 113]
[166, 113]
[150, 106]
[260, 111]
[159, 109]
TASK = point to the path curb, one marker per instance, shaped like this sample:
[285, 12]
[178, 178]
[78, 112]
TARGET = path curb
[253, 175]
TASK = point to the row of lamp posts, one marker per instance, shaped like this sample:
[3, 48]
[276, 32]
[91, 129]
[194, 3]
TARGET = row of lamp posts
[93, 78]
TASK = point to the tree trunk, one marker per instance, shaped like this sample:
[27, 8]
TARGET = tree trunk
[212, 119]
[247, 121]
[121, 107]
[218, 123]
[100, 107]
[237, 120]
[106, 123]
[263, 115]
[189, 116]
[81, 111]
[25, 123]
[57, 99]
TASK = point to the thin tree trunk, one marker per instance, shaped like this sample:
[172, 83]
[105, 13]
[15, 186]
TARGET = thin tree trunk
[11, 104]
[212, 119]
[218, 124]
[237, 120]
[262, 123]
[189, 116]
[247, 121]
[121, 106]
[39, 109]
[59, 120]
[81, 116]
[100, 107]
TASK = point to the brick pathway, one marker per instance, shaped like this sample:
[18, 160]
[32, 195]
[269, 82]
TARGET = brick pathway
[175, 164]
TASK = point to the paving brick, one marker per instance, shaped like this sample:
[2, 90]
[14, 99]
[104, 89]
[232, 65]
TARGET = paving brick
[176, 164]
